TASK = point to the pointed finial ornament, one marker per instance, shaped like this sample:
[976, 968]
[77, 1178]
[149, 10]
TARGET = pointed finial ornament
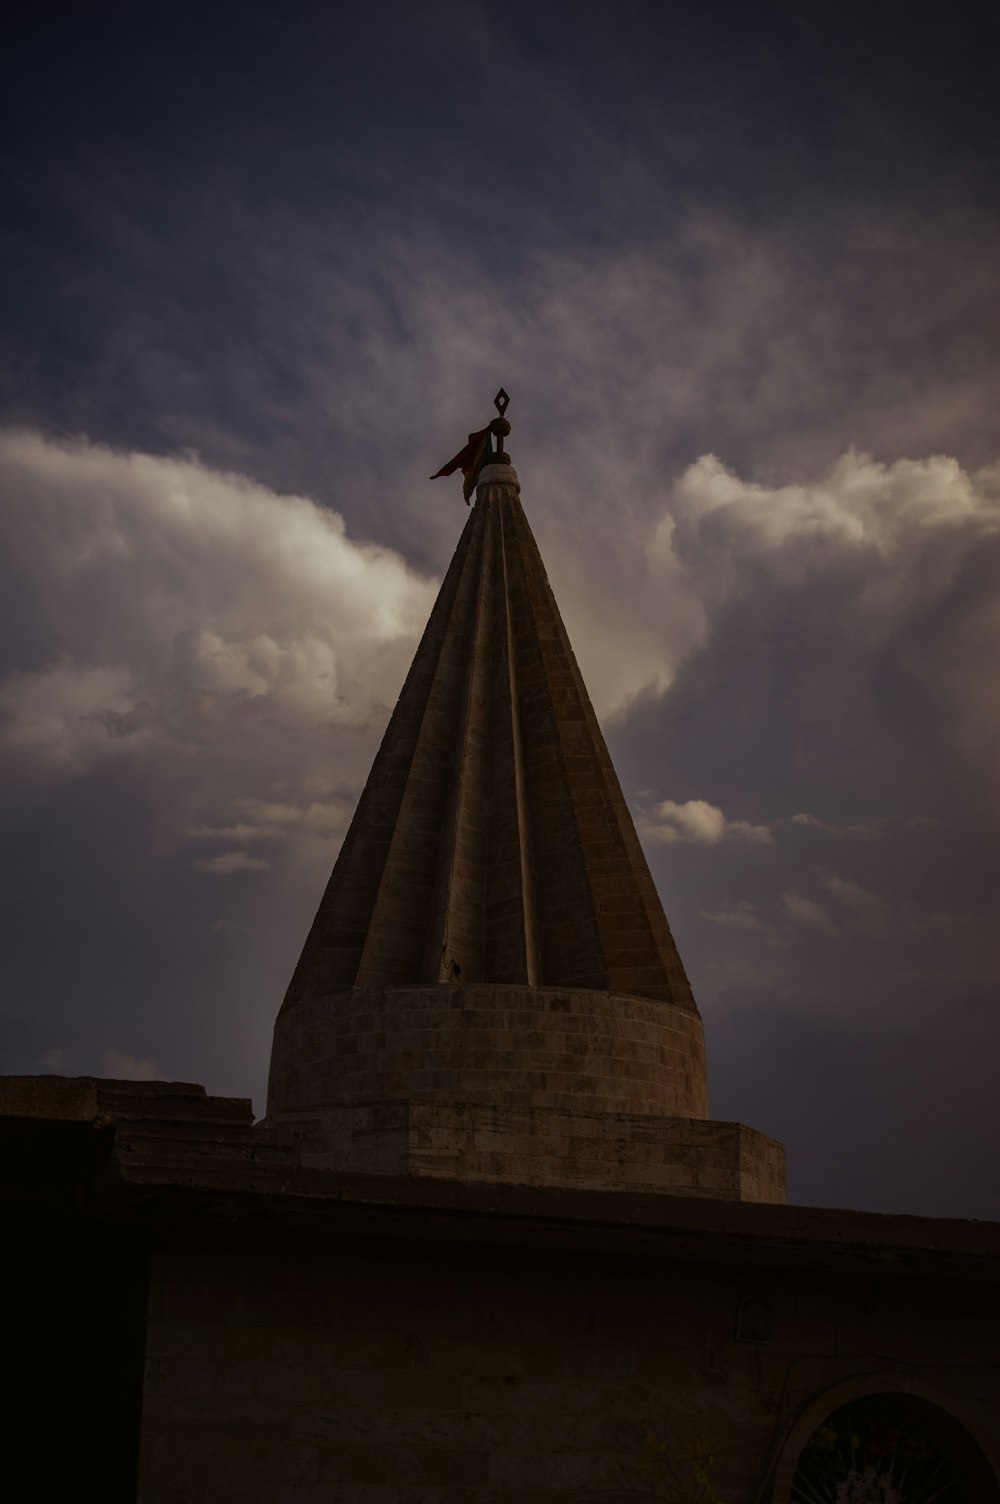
[500, 427]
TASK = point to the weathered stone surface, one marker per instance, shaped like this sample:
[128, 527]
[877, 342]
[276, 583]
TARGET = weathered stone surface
[416, 1339]
[490, 989]
[507, 1046]
[173, 1148]
[523, 1085]
[492, 834]
[543, 1146]
[392, 1373]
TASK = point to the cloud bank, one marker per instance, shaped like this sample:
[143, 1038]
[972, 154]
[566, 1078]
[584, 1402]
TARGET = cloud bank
[228, 657]
[236, 643]
[742, 289]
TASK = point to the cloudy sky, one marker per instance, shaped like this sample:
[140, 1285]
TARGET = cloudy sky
[264, 266]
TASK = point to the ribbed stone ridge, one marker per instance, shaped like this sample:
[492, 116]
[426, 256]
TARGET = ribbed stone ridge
[492, 842]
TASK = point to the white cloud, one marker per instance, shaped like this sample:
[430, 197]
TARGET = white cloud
[123, 1067]
[917, 516]
[859, 503]
[903, 558]
[696, 820]
[194, 601]
[903, 529]
[234, 644]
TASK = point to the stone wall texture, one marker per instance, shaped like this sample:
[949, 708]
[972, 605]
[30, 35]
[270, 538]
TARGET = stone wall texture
[542, 1146]
[390, 1371]
[490, 988]
[522, 1085]
[492, 834]
[503, 1046]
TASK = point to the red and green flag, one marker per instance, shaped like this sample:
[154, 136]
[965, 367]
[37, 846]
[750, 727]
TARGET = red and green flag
[470, 460]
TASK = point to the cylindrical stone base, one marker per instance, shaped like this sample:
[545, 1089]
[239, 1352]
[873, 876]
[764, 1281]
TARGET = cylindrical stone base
[500, 1046]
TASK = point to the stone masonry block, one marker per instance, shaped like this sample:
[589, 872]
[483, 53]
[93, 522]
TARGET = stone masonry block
[547, 1146]
[490, 1042]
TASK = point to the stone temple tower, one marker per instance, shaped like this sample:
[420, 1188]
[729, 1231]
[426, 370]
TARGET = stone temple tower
[490, 990]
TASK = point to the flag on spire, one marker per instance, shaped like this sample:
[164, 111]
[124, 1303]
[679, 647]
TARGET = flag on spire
[470, 460]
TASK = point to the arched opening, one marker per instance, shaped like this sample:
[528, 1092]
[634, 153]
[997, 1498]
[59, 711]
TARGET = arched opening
[889, 1447]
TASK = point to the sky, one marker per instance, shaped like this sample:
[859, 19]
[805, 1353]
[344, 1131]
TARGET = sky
[265, 266]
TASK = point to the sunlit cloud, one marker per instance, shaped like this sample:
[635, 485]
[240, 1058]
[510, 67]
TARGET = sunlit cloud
[196, 602]
[696, 820]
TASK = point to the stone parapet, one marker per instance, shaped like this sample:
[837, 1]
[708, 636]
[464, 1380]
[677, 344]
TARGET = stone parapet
[539, 1146]
[507, 1048]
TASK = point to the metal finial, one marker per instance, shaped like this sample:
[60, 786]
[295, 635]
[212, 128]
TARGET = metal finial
[500, 427]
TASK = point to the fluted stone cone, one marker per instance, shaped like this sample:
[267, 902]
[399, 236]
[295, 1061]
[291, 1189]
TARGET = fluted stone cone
[491, 940]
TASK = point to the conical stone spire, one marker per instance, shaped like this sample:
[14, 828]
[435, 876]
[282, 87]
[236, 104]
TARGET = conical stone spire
[490, 990]
[492, 842]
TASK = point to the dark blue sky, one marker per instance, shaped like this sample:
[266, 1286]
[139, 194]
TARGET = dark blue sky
[737, 267]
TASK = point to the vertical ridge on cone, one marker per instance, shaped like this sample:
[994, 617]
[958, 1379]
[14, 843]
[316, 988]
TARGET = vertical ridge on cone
[492, 841]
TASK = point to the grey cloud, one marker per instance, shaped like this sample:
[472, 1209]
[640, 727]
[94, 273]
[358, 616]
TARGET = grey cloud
[197, 605]
[287, 284]
[194, 653]
[864, 908]
[808, 912]
[264, 666]
[124, 1067]
[841, 694]
[228, 862]
[736, 916]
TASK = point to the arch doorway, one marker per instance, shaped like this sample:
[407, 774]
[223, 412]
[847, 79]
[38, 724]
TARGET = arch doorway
[891, 1448]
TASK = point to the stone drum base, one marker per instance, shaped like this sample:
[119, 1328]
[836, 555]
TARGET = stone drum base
[541, 1146]
[573, 1049]
[510, 1084]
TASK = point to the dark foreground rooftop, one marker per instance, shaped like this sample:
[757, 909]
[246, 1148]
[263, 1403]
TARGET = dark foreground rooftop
[156, 1150]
